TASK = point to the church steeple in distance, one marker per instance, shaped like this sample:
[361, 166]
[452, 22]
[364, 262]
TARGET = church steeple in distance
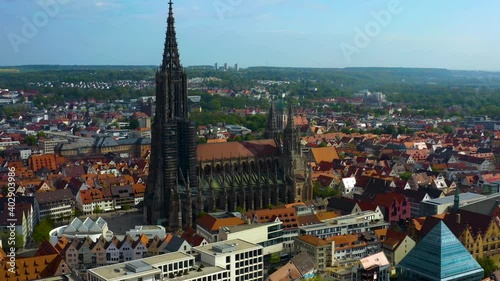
[272, 131]
[173, 142]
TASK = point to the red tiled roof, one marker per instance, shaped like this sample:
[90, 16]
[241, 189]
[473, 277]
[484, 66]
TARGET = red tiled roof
[192, 237]
[35, 268]
[387, 199]
[257, 148]
[211, 223]
[287, 215]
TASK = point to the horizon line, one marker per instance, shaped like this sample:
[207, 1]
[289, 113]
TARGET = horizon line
[255, 66]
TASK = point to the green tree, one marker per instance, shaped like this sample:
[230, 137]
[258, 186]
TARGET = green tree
[390, 129]
[41, 231]
[249, 137]
[126, 207]
[97, 209]
[315, 278]
[77, 213]
[275, 258]
[4, 237]
[134, 123]
[324, 192]
[345, 130]
[41, 135]
[342, 155]
[488, 264]
[405, 176]
[202, 140]
[31, 140]
[237, 138]
[447, 129]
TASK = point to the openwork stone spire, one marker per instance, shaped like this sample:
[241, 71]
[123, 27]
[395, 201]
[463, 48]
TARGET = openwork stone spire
[171, 59]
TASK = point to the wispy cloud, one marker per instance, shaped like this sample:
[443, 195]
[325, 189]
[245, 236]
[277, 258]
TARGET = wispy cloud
[107, 4]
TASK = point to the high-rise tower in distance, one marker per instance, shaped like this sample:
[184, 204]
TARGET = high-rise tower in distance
[172, 173]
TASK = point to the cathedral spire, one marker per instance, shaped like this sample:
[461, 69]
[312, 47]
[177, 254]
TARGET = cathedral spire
[173, 142]
[171, 59]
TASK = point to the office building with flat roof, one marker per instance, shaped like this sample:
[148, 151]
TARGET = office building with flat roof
[243, 259]
[233, 260]
[442, 205]
[268, 235]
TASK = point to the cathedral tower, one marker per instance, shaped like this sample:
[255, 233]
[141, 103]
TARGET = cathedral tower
[172, 173]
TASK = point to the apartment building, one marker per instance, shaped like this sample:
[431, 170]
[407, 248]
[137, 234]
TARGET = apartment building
[319, 249]
[395, 245]
[90, 200]
[123, 195]
[336, 250]
[289, 218]
[354, 247]
[55, 204]
[47, 146]
[365, 221]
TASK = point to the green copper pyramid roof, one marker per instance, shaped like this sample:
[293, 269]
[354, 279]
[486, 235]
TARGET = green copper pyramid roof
[440, 256]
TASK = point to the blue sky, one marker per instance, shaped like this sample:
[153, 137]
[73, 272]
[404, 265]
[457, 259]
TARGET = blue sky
[454, 34]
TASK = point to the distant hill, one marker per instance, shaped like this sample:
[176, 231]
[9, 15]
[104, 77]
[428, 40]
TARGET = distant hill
[9, 70]
[31, 68]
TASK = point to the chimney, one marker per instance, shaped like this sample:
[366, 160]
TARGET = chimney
[458, 218]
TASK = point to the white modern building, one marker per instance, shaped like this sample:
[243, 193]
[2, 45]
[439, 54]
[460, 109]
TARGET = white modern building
[442, 205]
[268, 235]
[365, 221]
[79, 229]
[244, 260]
[149, 230]
[233, 260]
